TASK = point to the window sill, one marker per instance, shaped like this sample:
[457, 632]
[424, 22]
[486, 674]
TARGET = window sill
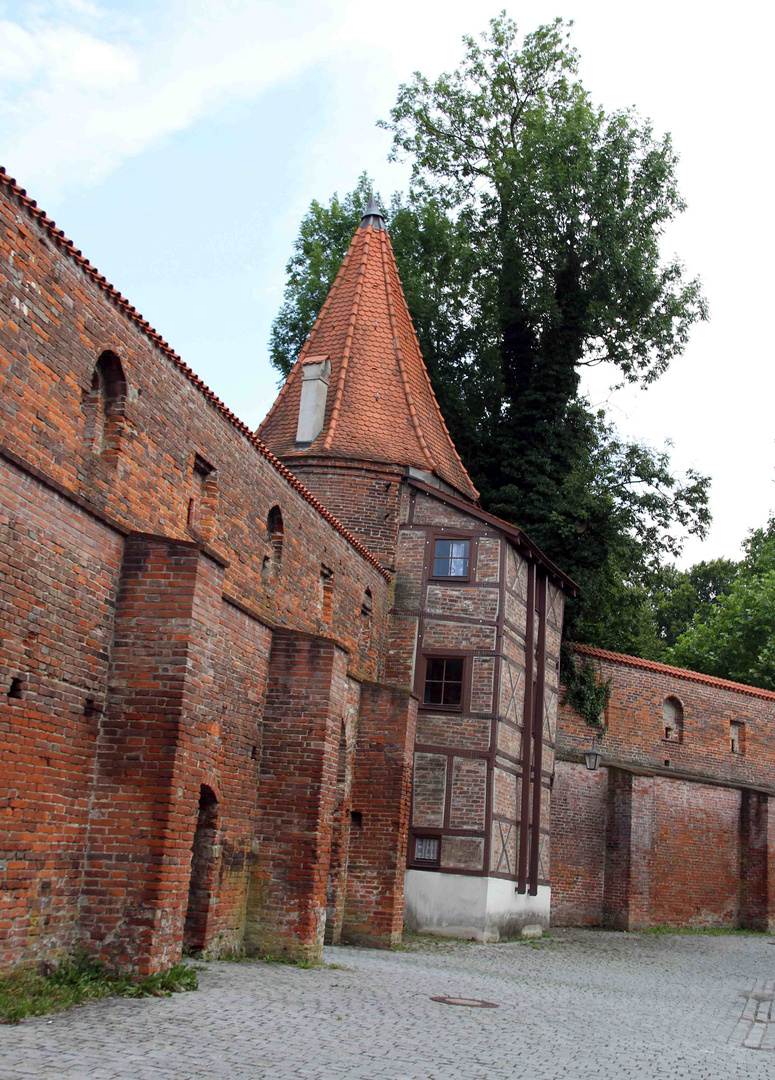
[440, 708]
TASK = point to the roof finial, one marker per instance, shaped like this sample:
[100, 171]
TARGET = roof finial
[373, 215]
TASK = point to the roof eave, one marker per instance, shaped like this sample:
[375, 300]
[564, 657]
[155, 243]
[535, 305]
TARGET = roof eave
[513, 531]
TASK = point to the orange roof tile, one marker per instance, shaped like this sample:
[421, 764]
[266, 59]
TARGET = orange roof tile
[679, 673]
[380, 405]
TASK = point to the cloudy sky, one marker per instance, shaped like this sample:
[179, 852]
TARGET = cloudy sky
[178, 143]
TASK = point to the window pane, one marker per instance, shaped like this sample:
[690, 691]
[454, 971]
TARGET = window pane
[451, 558]
[426, 848]
[443, 681]
[434, 670]
[433, 693]
[453, 693]
[453, 670]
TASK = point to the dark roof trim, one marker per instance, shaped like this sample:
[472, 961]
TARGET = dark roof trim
[67, 247]
[516, 534]
[373, 215]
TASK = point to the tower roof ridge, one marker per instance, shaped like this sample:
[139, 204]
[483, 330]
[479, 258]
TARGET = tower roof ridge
[400, 360]
[335, 411]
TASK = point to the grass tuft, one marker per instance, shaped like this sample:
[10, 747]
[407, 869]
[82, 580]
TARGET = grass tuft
[79, 979]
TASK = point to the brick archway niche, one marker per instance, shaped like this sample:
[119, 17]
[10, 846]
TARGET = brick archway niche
[203, 862]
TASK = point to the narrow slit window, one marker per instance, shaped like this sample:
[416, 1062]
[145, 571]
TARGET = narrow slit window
[443, 681]
[367, 610]
[275, 532]
[326, 594]
[451, 558]
[737, 737]
[203, 500]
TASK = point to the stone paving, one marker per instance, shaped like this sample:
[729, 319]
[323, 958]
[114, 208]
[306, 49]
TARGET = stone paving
[578, 1004]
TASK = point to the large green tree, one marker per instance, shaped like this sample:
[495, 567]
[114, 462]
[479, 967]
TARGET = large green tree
[681, 598]
[733, 636]
[529, 247]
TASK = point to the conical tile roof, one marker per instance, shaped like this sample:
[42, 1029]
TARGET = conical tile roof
[380, 405]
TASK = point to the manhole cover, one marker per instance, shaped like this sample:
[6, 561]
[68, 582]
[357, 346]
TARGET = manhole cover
[472, 1003]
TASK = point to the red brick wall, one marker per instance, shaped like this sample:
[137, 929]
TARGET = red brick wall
[57, 592]
[336, 887]
[364, 496]
[578, 819]
[695, 863]
[648, 840]
[55, 322]
[374, 905]
[756, 905]
[634, 851]
[149, 755]
[305, 702]
[129, 706]
[634, 733]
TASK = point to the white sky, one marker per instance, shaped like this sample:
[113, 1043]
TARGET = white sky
[179, 142]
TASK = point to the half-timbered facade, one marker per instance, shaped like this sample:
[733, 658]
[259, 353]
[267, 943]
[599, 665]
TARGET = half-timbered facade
[471, 591]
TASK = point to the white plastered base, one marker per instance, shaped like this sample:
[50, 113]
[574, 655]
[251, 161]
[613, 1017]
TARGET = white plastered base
[458, 905]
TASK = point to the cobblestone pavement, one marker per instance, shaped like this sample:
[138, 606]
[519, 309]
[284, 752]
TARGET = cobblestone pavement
[579, 1004]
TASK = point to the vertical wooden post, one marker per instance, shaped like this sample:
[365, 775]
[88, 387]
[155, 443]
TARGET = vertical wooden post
[527, 731]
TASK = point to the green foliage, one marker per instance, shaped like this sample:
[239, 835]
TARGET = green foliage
[529, 247]
[79, 979]
[585, 691]
[566, 206]
[733, 636]
[683, 597]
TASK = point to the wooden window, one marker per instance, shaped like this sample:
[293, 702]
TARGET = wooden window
[444, 681]
[426, 849]
[451, 558]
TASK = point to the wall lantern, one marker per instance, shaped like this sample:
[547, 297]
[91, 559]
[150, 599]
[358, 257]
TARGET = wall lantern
[592, 758]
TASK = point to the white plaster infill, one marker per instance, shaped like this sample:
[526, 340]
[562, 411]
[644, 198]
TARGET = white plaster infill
[460, 905]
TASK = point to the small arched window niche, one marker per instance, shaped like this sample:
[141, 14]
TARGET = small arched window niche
[104, 406]
[202, 511]
[672, 720]
[204, 865]
[275, 533]
[326, 594]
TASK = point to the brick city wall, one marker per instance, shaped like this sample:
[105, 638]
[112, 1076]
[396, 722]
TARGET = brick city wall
[674, 829]
[364, 496]
[144, 573]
